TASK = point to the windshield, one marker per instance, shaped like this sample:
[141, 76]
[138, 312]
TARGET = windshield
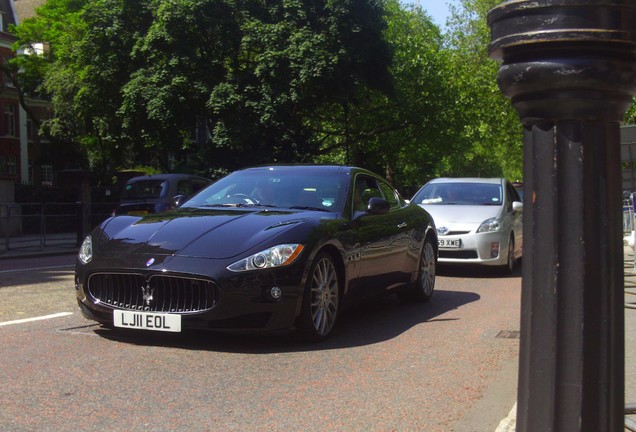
[456, 193]
[273, 188]
[144, 189]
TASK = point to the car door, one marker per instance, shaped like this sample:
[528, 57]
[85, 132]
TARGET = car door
[382, 238]
[516, 217]
[406, 244]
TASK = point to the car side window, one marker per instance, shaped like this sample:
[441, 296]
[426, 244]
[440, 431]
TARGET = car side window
[512, 195]
[390, 195]
[365, 188]
[184, 188]
[197, 185]
[515, 194]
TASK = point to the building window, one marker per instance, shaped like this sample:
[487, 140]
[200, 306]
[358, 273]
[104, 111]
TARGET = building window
[47, 174]
[11, 165]
[29, 130]
[8, 165]
[6, 76]
[9, 120]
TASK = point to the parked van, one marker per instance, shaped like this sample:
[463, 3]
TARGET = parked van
[157, 193]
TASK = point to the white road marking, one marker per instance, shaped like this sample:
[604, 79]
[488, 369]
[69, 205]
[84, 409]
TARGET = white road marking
[37, 268]
[45, 317]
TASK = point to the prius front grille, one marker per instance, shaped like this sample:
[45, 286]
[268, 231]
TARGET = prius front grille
[157, 293]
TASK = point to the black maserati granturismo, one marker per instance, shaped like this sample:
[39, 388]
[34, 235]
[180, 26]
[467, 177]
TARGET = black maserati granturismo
[262, 249]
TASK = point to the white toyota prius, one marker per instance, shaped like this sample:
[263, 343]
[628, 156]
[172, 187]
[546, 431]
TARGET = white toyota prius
[478, 220]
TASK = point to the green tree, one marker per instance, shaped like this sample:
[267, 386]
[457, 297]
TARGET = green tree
[367, 82]
[85, 61]
[401, 130]
[423, 99]
[130, 76]
[298, 61]
[490, 132]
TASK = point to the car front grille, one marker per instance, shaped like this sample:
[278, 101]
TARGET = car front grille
[156, 293]
[458, 254]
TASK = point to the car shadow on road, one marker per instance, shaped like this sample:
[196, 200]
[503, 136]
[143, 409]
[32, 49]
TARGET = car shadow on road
[374, 322]
[476, 271]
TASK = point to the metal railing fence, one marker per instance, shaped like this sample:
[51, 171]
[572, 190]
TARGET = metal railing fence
[39, 225]
[628, 216]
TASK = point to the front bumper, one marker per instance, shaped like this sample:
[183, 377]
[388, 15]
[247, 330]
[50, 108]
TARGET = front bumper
[240, 301]
[482, 248]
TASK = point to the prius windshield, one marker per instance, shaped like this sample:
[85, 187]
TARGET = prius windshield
[457, 193]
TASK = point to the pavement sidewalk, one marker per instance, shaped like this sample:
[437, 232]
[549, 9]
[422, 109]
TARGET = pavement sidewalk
[629, 271]
[66, 244]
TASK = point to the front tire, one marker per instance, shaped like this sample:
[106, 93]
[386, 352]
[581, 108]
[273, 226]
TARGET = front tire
[422, 289]
[321, 299]
[511, 261]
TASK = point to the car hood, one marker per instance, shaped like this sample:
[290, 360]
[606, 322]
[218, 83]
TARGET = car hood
[195, 232]
[461, 216]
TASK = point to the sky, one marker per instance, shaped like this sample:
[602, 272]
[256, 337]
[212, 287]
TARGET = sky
[438, 9]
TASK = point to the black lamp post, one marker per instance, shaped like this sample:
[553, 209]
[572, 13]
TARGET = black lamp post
[569, 68]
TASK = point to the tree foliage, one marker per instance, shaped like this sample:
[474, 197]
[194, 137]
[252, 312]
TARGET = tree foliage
[367, 82]
[490, 131]
[137, 75]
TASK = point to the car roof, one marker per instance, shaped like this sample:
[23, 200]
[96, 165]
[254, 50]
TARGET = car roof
[292, 167]
[326, 169]
[492, 180]
[175, 176]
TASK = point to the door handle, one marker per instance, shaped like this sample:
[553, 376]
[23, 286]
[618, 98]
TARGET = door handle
[402, 225]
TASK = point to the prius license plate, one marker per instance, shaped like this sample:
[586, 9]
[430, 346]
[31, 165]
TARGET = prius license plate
[147, 321]
[449, 243]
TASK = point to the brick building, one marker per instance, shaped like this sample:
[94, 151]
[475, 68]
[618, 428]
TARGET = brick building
[21, 157]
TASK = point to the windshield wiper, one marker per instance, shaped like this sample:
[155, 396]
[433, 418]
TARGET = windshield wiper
[308, 208]
[229, 205]
[240, 205]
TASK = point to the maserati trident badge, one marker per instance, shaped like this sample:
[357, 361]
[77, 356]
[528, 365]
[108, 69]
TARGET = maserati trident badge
[147, 294]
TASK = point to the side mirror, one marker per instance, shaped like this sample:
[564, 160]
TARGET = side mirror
[517, 206]
[378, 206]
[177, 200]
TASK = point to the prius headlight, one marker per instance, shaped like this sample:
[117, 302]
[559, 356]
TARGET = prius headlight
[490, 225]
[276, 256]
[86, 250]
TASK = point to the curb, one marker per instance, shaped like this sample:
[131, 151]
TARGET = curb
[509, 424]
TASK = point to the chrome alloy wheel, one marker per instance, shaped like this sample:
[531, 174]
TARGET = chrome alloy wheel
[421, 290]
[427, 270]
[324, 296]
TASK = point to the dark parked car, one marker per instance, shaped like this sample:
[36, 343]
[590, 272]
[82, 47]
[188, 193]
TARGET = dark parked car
[265, 248]
[157, 193]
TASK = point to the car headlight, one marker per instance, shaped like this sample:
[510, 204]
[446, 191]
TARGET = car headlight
[276, 256]
[86, 250]
[490, 225]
